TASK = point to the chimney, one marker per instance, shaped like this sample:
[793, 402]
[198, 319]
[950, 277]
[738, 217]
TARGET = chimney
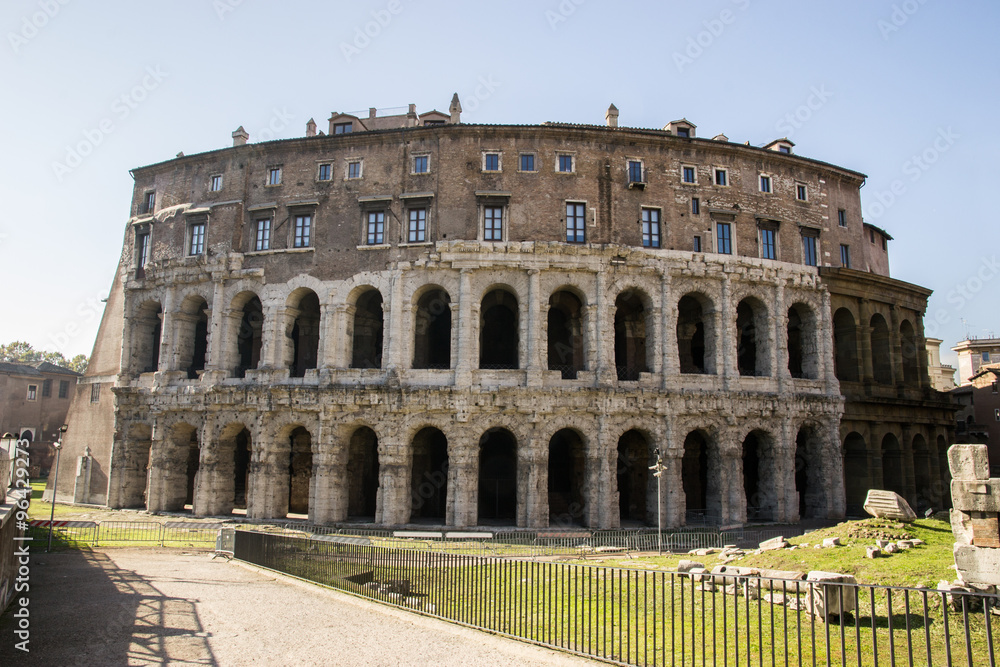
[371, 112]
[311, 128]
[612, 116]
[411, 116]
[455, 109]
[240, 137]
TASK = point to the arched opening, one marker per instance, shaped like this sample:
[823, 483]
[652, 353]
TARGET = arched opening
[498, 331]
[633, 475]
[893, 478]
[845, 342]
[497, 476]
[809, 473]
[367, 338]
[147, 331]
[759, 483]
[432, 332]
[429, 476]
[630, 336]
[909, 353]
[803, 346]
[305, 335]
[182, 443]
[229, 471]
[922, 474]
[299, 470]
[565, 334]
[695, 335]
[136, 468]
[751, 338]
[242, 446]
[856, 478]
[881, 355]
[250, 335]
[362, 474]
[193, 342]
[567, 476]
[701, 506]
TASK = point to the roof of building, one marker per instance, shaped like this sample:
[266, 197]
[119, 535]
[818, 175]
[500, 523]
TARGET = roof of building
[35, 369]
[990, 369]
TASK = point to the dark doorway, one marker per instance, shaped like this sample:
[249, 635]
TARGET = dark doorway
[695, 478]
[497, 476]
[565, 334]
[691, 335]
[634, 477]
[498, 331]
[432, 336]
[567, 477]
[429, 477]
[630, 336]
[367, 339]
[305, 335]
[362, 474]
[299, 470]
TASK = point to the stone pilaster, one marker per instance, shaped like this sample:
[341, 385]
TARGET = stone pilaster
[463, 485]
[393, 500]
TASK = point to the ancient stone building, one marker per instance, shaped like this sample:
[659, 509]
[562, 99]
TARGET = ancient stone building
[408, 319]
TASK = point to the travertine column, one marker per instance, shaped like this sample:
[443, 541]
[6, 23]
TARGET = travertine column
[267, 495]
[272, 337]
[826, 368]
[166, 332]
[604, 335]
[671, 359]
[214, 489]
[467, 349]
[463, 484]
[393, 499]
[533, 484]
[329, 483]
[833, 467]
[787, 506]
[779, 333]
[216, 353]
[532, 333]
[865, 341]
[896, 347]
[725, 350]
[397, 333]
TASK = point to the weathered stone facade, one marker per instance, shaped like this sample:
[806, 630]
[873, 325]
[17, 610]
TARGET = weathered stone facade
[422, 324]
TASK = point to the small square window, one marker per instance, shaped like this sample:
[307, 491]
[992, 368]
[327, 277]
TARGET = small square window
[566, 164]
[417, 229]
[421, 164]
[576, 219]
[845, 256]
[343, 128]
[697, 244]
[841, 217]
[375, 230]
[809, 250]
[721, 177]
[215, 183]
[491, 161]
[354, 169]
[695, 206]
[724, 238]
[784, 149]
[274, 176]
[95, 393]
[262, 240]
[768, 244]
[493, 223]
[303, 231]
[196, 238]
[650, 228]
[325, 172]
[46, 388]
[689, 175]
[801, 193]
[64, 389]
[527, 162]
[765, 184]
[684, 132]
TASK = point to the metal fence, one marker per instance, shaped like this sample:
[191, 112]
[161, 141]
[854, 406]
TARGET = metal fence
[109, 533]
[640, 617]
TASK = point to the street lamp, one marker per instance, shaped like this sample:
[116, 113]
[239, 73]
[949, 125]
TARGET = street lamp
[658, 469]
[52, 515]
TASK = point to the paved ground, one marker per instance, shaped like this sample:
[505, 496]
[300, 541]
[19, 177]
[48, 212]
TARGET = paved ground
[148, 606]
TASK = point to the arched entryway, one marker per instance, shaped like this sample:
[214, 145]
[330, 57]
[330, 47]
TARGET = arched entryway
[367, 329]
[362, 474]
[498, 477]
[303, 352]
[701, 493]
[498, 331]
[759, 479]
[634, 478]
[432, 330]
[695, 334]
[250, 334]
[300, 458]
[565, 334]
[429, 476]
[809, 473]
[631, 356]
[567, 469]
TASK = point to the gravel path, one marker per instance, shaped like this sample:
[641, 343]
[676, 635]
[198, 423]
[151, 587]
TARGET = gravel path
[161, 606]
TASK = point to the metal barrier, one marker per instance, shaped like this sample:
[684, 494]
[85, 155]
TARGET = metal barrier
[640, 617]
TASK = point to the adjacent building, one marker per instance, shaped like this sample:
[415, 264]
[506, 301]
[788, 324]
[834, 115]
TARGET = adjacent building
[34, 402]
[973, 354]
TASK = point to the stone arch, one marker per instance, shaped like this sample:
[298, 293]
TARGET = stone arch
[700, 473]
[893, 469]
[367, 327]
[180, 471]
[429, 475]
[230, 481]
[909, 353]
[567, 475]
[432, 328]
[192, 338]
[147, 332]
[246, 343]
[696, 333]
[845, 342]
[760, 478]
[362, 473]
[810, 473]
[753, 356]
[922, 479]
[802, 333]
[301, 350]
[499, 334]
[498, 476]
[300, 466]
[565, 333]
[634, 332]
[636, 485]
[857, 479]
[881, 350]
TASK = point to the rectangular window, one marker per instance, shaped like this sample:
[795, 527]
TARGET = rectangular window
[721, 177]
[343, 128]
[417, 231]
[141, 249]
[841, 217]
[765, 184]
[325, 172]
[996, 387]
[375, 232]
[527, 162]
[800, 192]
[688, 174]
[263, 239]
[724, 238]
[684, 132]
[986, 357]
[95, 393]
[809, 250]
[32, 392]
[650, 228]
[576, 219]
[491, 161]
[148, 202]
[274, 176]
[303, 231]
[196, 244]
[493, 223]
[871, 235]
[566, 163]
[884, 244]
[46, 388]
[695, 206]
[845, 256]
[635, 172]
[784, 149]
[421, 164]
[63, 388]
[354, 169]
[697, 244]
[215, 184]
[768, 247]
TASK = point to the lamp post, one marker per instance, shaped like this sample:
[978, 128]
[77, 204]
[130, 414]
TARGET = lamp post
[658, 469]
[55, 483]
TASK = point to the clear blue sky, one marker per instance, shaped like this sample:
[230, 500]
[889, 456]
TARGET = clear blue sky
[869, 86]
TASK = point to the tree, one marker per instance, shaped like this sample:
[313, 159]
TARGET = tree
[21, 352]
